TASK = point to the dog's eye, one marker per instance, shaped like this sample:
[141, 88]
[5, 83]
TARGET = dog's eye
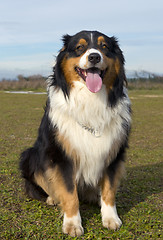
[104, 46]
[80, 47]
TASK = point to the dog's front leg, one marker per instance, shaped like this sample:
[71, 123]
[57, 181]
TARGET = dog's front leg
[109, 186]
[72, 220]
[66, 195]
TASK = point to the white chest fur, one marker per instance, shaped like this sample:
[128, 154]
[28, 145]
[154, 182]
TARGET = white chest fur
[90, 110]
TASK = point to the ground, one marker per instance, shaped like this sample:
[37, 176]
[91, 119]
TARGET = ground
[140, 194]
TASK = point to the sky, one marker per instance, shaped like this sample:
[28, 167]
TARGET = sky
[31, 32]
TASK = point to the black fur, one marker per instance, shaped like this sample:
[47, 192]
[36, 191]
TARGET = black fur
[58, 76]
[111, 170]
[46, 150]
[114, 52]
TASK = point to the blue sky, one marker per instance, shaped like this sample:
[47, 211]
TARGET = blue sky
[31, 31]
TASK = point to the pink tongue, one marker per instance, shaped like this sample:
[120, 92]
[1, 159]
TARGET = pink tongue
[93, 82]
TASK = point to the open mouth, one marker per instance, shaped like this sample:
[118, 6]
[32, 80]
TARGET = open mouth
[93, 78]
[84, 72]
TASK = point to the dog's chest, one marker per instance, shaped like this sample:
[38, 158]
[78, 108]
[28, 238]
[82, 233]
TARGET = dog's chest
[93, 130]
[94, 154]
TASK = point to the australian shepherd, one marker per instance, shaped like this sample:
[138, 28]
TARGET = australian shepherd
[80, 149]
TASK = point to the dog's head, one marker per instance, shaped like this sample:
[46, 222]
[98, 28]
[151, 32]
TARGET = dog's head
[93, 59]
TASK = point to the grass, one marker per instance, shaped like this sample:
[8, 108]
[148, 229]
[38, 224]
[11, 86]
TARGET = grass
[140, 194]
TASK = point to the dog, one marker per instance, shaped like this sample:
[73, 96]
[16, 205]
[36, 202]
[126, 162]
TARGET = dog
[82, 139]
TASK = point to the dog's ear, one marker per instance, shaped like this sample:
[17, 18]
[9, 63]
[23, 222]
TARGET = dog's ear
[117, 50]
[66, 38]
[58, 75]
[117, 90]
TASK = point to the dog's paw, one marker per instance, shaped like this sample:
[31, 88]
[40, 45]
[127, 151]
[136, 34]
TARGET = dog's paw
[50, 201]
[112, 223]
[110, 217]
[72, 230]
[72, 226]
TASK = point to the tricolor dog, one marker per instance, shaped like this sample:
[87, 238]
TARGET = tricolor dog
[83, 135]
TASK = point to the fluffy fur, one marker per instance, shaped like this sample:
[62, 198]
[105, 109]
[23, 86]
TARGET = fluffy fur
[79, 152]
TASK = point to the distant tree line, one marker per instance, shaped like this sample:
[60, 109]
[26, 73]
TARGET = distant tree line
[140, 80]
[145, 80]
[34, 82]
[32, 78]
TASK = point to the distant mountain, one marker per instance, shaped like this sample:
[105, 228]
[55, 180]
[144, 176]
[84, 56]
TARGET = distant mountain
[141, 74]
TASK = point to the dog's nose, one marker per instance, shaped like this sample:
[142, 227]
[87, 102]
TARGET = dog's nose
[94, 58]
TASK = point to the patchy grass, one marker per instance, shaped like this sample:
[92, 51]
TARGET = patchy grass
[139, 197]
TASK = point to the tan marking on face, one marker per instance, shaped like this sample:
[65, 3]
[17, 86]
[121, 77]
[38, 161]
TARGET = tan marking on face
[82, 41]
[113, 68]
[108, 190]
[100, 40]
[81, 46]
[68, 66]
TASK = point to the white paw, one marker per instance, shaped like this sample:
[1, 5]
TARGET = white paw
[112, 223]
[72, 226]
[50, 201]
[110, 217]
[72, 230]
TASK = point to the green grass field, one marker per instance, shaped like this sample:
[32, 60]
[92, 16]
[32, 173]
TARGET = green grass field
[140, 194]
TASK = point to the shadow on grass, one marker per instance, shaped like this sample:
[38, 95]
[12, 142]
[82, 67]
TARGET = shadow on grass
[140, 183]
